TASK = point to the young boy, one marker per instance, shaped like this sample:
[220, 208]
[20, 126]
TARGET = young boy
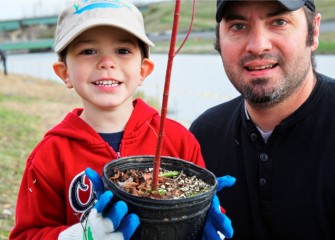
[103, 54]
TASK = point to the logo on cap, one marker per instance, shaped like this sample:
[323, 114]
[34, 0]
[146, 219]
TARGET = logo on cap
[94, 4]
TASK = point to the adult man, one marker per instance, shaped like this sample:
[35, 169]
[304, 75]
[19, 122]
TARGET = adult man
[277, 138]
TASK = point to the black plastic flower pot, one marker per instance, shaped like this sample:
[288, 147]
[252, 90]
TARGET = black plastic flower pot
[168, 219]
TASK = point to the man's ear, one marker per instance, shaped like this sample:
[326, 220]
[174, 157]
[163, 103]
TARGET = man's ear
[61, 71]
[316, 32]
[147, 67]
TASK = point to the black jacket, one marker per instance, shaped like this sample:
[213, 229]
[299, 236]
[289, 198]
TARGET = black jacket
[285, 188]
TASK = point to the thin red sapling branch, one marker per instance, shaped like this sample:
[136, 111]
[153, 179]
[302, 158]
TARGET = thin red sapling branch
[172, 53]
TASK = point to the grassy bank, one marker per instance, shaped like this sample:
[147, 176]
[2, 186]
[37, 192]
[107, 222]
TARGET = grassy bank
[28, 108]
[18, 134]
[158, 17]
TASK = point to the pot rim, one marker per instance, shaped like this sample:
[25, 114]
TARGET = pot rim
[186, 200]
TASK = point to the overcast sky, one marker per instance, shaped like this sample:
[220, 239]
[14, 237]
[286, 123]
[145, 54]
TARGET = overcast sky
[16, 9]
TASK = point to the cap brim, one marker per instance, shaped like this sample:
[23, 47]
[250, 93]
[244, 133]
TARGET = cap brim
[290, 5]
[75, 32]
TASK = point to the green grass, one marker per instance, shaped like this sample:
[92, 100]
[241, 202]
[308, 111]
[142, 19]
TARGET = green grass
[326, 8]
[158, 17]
[327, 43]
[192, 46]
[152, 101]
[326, 48]
[18, 135]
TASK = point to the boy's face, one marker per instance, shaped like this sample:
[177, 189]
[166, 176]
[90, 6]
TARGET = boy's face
[104, 65]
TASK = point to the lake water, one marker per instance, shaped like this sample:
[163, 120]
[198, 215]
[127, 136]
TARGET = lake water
[197, 81]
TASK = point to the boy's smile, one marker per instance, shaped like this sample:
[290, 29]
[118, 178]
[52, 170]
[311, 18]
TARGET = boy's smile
[107, 83]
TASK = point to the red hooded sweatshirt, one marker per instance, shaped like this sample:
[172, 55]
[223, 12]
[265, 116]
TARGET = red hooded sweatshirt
[54, 192]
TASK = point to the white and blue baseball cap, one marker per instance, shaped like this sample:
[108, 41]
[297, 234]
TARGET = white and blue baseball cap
[82, 15]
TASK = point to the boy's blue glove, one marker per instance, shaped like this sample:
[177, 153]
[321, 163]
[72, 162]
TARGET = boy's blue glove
[104, 221]
[96, 181]
[216, 220]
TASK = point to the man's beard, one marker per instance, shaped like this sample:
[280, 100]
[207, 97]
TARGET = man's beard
[258, 95]
[263, 96]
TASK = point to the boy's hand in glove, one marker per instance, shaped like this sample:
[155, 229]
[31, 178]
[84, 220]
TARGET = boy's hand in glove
[216, 220]
[104, 221]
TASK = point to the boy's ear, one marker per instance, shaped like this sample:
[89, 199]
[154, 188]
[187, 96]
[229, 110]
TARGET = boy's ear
[147, 67]
[61, 71]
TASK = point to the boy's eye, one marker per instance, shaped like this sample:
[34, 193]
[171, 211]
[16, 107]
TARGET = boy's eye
[122, 51]
[88, 52]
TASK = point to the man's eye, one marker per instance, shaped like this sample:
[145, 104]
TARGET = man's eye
[280, 22]
[122, 51]
[238, 26]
